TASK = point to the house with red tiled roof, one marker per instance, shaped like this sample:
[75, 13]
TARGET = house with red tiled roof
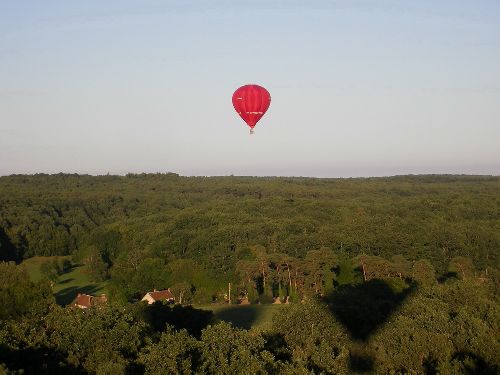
[159, 295]
[84, 301]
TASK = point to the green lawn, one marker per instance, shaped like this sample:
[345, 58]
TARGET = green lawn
[69, 284]
[33, 265]
[257, 317]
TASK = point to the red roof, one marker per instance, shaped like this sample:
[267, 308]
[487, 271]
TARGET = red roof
[86, 300]
[83, 300]
[161, 295]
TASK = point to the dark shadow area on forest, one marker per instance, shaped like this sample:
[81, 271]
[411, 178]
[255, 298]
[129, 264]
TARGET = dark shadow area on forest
[447, 276]
[364, 308]
[66, 295]
[276, 344]
[473, 364]
[361, 362]
[40, 360]
[158, 315]
[8, 251]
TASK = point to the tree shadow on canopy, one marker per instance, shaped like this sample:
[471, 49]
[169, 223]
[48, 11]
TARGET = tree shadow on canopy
[158, 315]
[37, 360]
[473, 364]
[8, 251]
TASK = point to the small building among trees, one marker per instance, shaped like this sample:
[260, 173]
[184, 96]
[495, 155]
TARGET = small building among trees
[84, 301]
[159, 295]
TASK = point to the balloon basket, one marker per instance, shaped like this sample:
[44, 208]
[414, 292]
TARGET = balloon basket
[251, 132]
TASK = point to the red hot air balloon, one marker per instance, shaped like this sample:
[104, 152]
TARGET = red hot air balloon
[251, 102]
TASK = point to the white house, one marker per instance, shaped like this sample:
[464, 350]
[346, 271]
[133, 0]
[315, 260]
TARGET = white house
[159, 295]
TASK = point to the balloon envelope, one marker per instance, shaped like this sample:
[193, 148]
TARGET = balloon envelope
[251, 102]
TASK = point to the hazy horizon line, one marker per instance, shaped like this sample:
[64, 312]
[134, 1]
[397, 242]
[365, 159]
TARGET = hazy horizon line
[253, 176]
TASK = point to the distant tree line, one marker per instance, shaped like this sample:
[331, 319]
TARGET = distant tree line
[212, 219]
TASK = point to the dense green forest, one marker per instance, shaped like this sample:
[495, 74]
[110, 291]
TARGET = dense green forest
[385, 275]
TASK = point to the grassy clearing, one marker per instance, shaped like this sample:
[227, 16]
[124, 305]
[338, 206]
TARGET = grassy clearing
[257, 317]
[34, 264]
[73, 282]
[69, 284]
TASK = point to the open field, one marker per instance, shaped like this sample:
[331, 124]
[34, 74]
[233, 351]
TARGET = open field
[258, 317]
[73, 282]
[69, 284]
[33, 265]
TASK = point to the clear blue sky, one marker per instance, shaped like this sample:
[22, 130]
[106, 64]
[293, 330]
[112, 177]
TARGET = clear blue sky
[359, 88]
